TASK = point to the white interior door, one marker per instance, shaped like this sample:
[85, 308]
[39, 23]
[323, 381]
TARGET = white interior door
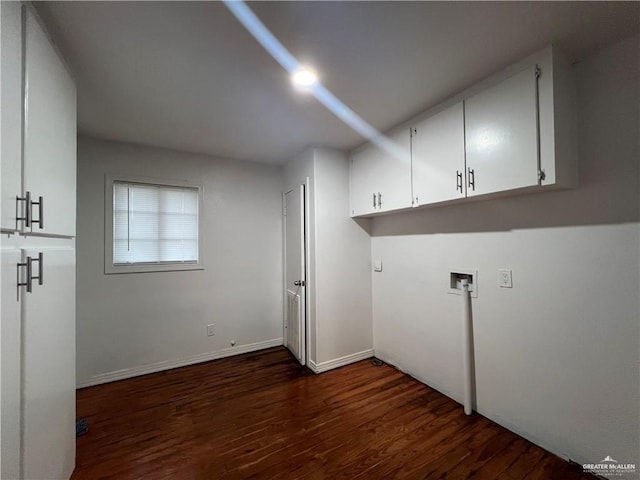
[295, 273]
[10, 363]
[48, 383]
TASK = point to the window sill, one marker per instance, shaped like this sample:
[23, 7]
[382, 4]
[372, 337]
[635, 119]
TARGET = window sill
[150, 268]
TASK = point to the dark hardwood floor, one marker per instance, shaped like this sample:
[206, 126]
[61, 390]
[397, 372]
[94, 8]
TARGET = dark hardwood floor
[263, 416]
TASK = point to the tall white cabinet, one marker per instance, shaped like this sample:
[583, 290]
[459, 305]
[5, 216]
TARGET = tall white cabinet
[37, 337]
[49, 360]
[38, 129]
[49, 157]
[11, 113]
[10, 358]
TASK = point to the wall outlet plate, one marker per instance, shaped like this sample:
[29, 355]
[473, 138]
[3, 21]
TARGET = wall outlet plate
[505, 280]
[211, 330]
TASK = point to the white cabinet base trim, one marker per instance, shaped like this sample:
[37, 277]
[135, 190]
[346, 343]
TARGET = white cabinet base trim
[340, 362]
[182, 362]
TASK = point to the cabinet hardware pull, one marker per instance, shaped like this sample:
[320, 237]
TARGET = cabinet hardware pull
[374, 200]
[379, 200]
[40, 261]
[40, 204]
[27, 209]
[472, 179]
[27, 283]
[459, 180]
[29, 277]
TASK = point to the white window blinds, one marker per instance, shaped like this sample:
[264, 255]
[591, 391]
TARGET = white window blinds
[154, 224]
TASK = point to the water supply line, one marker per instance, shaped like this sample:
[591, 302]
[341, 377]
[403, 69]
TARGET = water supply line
[467, 347]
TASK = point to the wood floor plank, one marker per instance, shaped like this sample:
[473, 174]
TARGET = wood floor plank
[263, 416]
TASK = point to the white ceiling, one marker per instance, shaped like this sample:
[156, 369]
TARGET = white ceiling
[187, 76]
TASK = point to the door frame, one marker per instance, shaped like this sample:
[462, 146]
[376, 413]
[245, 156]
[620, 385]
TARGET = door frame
[307, 260]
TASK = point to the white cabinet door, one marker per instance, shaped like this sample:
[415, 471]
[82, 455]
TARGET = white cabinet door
[381, 177]
[48, 319]
[10, 337]
[501, 136]
[11, 116]
[437, 157]
[395, 174]
[365, 172]
[50, 133]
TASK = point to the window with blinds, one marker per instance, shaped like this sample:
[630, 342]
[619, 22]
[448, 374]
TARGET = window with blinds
[154, 224]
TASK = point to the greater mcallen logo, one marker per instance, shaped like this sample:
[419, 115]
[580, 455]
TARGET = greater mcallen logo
[609, 466]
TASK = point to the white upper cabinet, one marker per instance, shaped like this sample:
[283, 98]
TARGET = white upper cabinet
[381, 176]
[11, 116]
[38, 129]
[437, 157]
[520, 128]
[501, 135]
[513, 132]
[364, 180]
[49, 135]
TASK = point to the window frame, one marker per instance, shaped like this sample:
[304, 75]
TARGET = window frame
[109, 266]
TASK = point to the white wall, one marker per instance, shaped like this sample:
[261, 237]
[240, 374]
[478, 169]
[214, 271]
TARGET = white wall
[339, 270]
[134, 323]
[556, 356]
[343, 251]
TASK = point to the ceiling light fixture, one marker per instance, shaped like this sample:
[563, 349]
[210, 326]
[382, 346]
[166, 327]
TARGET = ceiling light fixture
[291, 64]
[304, 78]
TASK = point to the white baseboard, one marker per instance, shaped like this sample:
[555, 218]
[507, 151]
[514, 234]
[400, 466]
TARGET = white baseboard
[181, 362]
[339, 362]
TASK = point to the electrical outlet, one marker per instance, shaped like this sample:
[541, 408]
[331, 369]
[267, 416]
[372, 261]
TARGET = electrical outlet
[211, 330]
[505, 278]
[233, 343]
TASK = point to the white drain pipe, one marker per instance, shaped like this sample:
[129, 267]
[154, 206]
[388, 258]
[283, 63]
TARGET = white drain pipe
[466, 345]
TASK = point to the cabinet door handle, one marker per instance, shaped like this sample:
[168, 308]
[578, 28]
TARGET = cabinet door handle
[459, 180]
[40, 204]
[379, 200]
[28, 213]
[29, 278]
[40, 261]
[374, 200]
[27, 209]
[472, 179]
